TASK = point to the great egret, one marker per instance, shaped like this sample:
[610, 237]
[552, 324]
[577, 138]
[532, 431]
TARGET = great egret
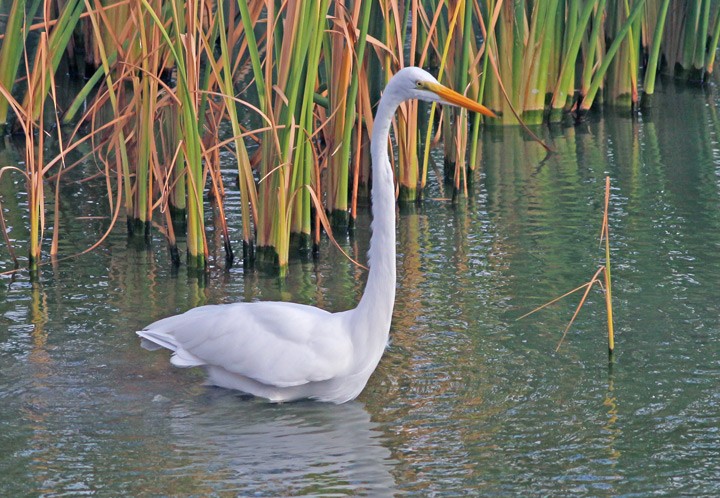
[286, 351]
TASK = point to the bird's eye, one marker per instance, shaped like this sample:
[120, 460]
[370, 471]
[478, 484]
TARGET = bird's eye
[419, 84]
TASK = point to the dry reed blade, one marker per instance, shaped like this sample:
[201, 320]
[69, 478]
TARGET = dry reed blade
[589, 285]
[327, 226]
[553, 301]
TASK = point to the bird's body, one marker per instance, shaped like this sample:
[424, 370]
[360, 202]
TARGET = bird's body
[286, 351]
[275, 350]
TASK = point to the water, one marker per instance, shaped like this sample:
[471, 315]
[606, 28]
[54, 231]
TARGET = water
[467, 399]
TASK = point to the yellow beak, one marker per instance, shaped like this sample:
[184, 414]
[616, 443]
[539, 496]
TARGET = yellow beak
[452, 97]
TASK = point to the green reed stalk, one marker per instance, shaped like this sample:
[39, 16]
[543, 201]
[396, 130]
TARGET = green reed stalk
[270, 147]
[699, 55]
[514, 36]
[185, 56]
[339, 211]
[634, 47]
[687, 52]
[407, 147]
[406, 121]
[82, 97]
[619, 85]
[261, 78]
[184, 53]
[594, 50]
[298, 215]
[248, 192]
[507, 41]
[121, 156]
[254, 53]
[338, 71]
[34, 173]
[293, 47]
[285, 170]
[463, 71]
[474, 154]
[571, 29]
[537, 61]
[146, 92]
[607, 272]
[304, 172]
[443, 61]
[654, 53]
[13, 43]
[564, 88]
[445, 37]
[599, 75]
[35, 158]
[421, 42]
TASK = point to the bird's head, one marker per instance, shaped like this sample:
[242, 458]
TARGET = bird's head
[416, 83]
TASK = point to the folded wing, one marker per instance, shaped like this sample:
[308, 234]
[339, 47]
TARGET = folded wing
[275, 343]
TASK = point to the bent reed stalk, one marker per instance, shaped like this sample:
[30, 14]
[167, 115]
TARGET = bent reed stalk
[605, 284]
[289, 89]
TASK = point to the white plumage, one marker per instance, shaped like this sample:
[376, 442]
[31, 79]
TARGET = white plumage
[286, 351]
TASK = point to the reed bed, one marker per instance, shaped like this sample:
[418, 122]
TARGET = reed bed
[289, 89]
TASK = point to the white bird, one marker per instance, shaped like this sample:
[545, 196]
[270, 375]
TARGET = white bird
[286, 351]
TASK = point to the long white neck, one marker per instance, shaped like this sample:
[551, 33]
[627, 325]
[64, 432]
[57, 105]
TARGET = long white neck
[378, 299]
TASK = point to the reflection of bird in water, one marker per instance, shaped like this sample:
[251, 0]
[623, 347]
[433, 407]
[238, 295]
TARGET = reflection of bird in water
[264, 451]
[286, 351]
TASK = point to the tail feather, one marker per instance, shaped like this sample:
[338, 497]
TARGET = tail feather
[153, 340]
[183, 359]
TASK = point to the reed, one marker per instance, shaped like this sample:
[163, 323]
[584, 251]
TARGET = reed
[689, 50]
[11, 51]
[305, 176]
[605, 284]
[344, 51]
[598, 78]
[285, 87]
[656, 25]
[451, 120]
[501, 47]
[34, 133]
[145, 91]
[562, 97]
[248, 192]
[452, 123]
[172, 84]
[622, 86]
[406, 126]
[593, 49]
[58, 37]
[116, 142]
[188, 18]
[605, 236]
